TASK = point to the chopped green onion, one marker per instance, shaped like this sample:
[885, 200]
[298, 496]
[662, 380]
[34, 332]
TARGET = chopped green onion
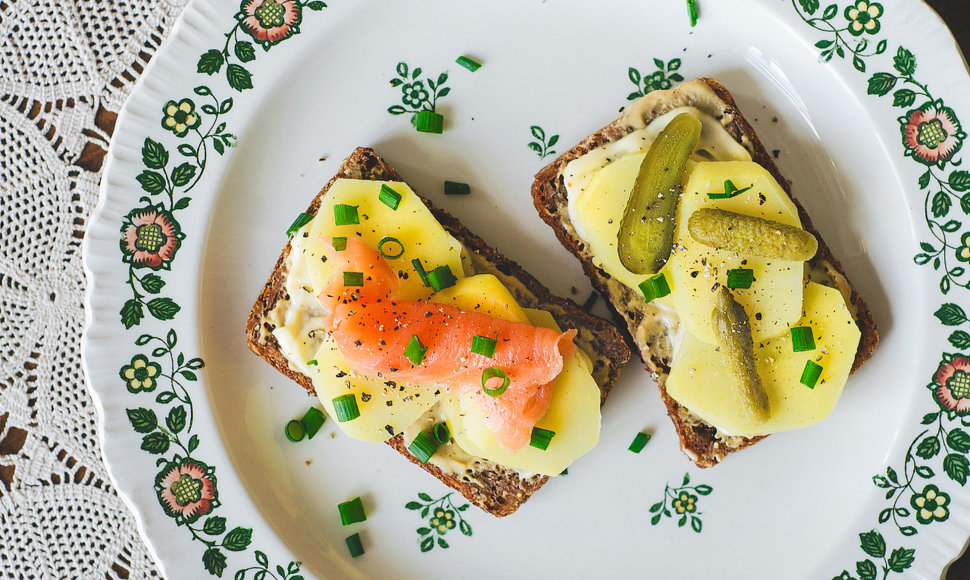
[740, 278]
[420, 269]
[491, 373]
[654, 287]
[389, 197]
[352, 512]
[484, 346]
[390, 255]
[354, 545]
[300, 221]
[294, 430]
[802, 339]
[428, 122]
[441, 278]
[457, 188]
[811, 374]
[423, 446]
[730, 190]
[345, 407]
[313, 419]
[311, 363]
[565, 471]
[692, 12]
[441, 433]
[468, 63]
[541, 438]
[639, 442]
[339, 244]
[353, 278]
[415, 350]
[344, 214]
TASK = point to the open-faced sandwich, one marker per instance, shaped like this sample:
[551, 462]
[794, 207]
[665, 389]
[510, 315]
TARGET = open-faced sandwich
[683, 222]
[413, 332]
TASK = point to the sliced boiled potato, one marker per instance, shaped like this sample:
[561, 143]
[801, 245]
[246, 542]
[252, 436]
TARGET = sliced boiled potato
[700, 381]
[485, 294]
[774, 300]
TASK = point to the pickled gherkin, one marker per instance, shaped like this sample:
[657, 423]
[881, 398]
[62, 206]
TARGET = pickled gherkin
[733, 333]
[646, 233]
[751, 235]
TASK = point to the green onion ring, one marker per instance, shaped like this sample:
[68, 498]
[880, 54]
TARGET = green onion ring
[390, 240]
[491, 373]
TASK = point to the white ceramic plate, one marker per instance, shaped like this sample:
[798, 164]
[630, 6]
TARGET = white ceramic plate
[841, 498]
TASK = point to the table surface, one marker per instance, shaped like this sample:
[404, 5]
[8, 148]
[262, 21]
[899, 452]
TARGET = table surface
[956, 13]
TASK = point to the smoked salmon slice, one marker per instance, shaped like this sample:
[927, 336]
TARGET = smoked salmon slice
[372, 331]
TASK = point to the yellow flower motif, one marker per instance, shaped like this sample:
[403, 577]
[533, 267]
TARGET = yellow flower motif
[685, 503]
[141, 374]
[863, 16]
[180, 117]
[930, 505]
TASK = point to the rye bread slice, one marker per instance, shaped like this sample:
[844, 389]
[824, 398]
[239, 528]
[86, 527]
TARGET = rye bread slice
[699, 440]
[496, 489]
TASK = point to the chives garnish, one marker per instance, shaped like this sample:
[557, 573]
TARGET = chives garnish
[352, 512]
[396, 248]
[802, 339]
[420, 269]
[441, 433]
[491, 373]
[730, 190]
[415, 350]
[353, 544]
[428, 122]
[313, 419]
[468, 63]
[353, 278]
[345, 407]
[389, 197]
[484, 346]
[541, 438]
[811, 374]
[654, 287]
[423, 446]
[294, 430]
[692, 12]
[740, 278]
[344, 214]
[639, 442]
[565, 471]
[339, 244]
[457, 188]
[441, 278]
[300, 221]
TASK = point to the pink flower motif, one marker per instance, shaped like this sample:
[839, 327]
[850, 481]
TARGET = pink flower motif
[150, 237]
[952, 385]
[932, 133]
[186, 489]
[270, 21]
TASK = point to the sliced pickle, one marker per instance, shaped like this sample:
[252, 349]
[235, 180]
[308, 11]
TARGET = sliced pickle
[733, 333]
[749, 235]
[647, 230]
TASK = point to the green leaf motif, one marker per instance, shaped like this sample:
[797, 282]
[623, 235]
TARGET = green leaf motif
[214, 561]
[901, 559]
[904, 98]
[215, 526]
[704, 489]
[155, 443]
[951, 315]
[142, 420]
[163, 308]
[809, 6]
[210, 62]
[238, 539]
[928, 447]
[881, 83]
[131, 313]
[956, 467]
[151, 181]
[239, 78]
[427, 544]
[193, 443]
[866, 570]
[960, 339]
[152, 283]
[960, 180]
[244, 51]
[153, 154]
[182, 174]
[176, 419]
[904, 62]
[941, 204]
[316, 5]
[830, 11]
[412, 505]
[873, 543]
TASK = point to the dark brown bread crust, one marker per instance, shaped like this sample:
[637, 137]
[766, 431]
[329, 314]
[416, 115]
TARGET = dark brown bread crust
[494, 488]
[699, 440]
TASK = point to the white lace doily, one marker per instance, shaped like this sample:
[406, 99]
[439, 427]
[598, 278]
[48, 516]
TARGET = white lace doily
[66, 67]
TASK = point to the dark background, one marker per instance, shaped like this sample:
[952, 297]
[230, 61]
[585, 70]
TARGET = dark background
[956, 14]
